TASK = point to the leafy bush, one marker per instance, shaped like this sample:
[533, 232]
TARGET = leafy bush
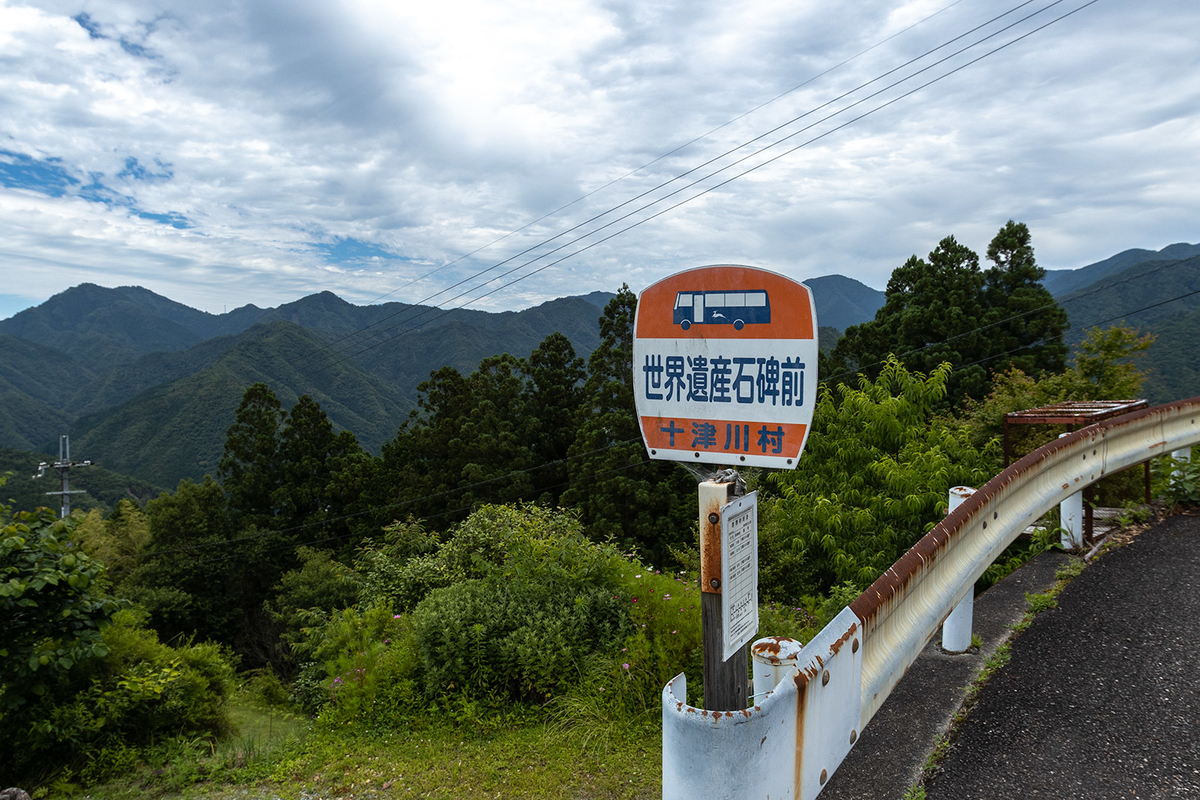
[368, 671]
[100, 714]
[545, 600]
[1178, 480]
[51, 608]
[875, 475]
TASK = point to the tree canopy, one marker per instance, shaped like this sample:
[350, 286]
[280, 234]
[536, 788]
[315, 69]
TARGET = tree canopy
[947, 309]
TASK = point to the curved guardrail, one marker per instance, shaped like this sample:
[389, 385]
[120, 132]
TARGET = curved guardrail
[791, 743]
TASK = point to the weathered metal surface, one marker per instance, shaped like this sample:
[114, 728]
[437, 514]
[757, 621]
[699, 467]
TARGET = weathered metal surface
[1074, 412]
[772, 659]
[790, 743]
[713, 495]
[905, 606]
[761, 751]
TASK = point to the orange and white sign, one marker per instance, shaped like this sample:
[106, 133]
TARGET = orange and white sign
[725, 367]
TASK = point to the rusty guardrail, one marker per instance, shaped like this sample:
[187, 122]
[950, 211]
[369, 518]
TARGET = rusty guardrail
[792, 741]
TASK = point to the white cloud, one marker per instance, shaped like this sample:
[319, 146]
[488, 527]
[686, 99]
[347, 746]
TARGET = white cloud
[353, 146]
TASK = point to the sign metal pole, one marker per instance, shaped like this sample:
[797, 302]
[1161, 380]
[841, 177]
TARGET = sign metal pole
[725, 681]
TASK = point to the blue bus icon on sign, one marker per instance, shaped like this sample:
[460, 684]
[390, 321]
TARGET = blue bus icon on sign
[738, 309]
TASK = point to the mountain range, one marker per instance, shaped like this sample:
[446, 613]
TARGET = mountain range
[147, 386]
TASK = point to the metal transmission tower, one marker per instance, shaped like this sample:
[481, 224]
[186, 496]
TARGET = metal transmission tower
[64, 466]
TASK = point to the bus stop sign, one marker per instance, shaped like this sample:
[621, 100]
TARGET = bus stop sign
[725, 367]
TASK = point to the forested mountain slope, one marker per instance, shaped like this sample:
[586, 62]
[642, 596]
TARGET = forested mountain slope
[1159, 297]
[177, 429]
[1061, 282]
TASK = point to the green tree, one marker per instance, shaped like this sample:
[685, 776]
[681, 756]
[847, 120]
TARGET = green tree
[620, 494]
[308, 454]
[1106, 368]
[1023, 322]
[946, 309]
[875, 475]
[118, 541]
[52, 607]
[555, 398]
[194, 576]
[249, 468]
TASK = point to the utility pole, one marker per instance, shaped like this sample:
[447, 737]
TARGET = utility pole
[64, 466]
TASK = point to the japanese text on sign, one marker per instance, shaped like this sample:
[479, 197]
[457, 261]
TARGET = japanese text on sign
[746, 379]
[739, 572]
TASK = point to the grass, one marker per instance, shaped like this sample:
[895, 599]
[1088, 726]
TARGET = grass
[276, 755]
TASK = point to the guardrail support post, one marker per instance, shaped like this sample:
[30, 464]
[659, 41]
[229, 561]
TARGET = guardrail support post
[956, 630]
[1070, 513]
[1179, 455]
[773, 658]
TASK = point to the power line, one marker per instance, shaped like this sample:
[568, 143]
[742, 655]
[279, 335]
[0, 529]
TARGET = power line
[1071, 298]
[698, 167]
[401, 504]
[726, 181]
[654, 161]
[447, 512]
[514, 473]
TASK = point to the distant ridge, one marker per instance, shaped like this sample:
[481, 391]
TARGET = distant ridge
[1061, 282]
[842, 302]
[147, 386]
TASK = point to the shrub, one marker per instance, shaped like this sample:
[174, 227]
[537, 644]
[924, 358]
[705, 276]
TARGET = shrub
[534, 602]
[139, 693]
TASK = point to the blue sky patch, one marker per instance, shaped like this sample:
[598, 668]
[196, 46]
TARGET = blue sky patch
[172, 218]
[85, 21]
[344, 249]
[50, 177]
[46, 175]
[135, 171]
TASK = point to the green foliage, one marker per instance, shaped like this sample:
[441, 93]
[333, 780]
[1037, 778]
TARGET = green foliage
[1178, 479]
[497, 435]
[249, 468]
[99, 715]
[1043, 601]
[875, 476]
[947, 309]
[182, 593]
[405, 566]
[368, 668]
[620, 495]
[52, 609]
[116, 541]
[306, 596]
[527, 625]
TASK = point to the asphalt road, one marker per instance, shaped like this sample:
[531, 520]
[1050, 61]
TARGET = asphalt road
[1101, 697]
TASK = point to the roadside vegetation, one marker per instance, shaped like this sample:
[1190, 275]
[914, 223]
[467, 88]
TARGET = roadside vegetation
[498, 598]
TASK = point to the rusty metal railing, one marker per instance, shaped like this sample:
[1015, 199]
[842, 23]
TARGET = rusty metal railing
[790, 743]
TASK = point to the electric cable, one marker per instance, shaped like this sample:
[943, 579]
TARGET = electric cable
[650, 163]
[392, 506]
[513, 473]
[713, 173]
[735, 177]
[1074, 296]
[294, 545]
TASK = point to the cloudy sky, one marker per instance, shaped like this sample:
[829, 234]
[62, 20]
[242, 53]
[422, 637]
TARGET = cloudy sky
[223, 153]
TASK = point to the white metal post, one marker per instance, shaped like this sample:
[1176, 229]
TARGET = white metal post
[956, 630]
[773, 658]
[1180, 455]
[1070, 512]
